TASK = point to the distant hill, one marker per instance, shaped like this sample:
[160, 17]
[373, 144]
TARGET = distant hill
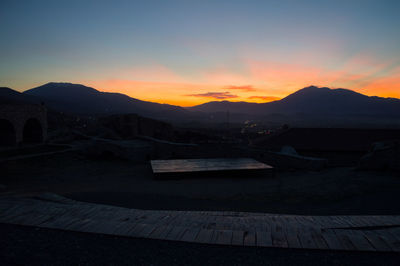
[310, 106]
[322, 101]
[224, 106]
[312, 101]
[79, 99]
[8, 95]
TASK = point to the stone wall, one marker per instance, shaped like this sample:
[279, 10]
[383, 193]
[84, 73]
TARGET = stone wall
[130, 126]
[19, 114]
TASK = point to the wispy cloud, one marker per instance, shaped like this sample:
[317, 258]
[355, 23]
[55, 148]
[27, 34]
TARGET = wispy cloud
[215, 95]
[264, 98]
[242, 88]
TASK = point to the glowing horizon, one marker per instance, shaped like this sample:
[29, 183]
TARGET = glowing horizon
[189, 53]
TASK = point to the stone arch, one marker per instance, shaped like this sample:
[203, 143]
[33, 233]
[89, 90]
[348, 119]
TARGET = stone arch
[33, 131]
[8, 135]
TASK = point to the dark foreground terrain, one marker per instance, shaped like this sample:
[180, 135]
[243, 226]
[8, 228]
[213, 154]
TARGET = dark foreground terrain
[124, 183]
[332, 191]
[21, 245]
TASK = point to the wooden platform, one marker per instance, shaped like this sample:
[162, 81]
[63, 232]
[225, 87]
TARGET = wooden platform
[363, 233]
[208, 167]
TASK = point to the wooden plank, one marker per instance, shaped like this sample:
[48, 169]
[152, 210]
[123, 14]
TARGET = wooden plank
[122, 228]
[332, 240]
[136, 229]
[204, 236]
[344, 240]
[92, 213]
[206, 220]
[211, 223]
[36, 219]
[320, 221]
[249, 238]
[190, 235]
[19, 217]
[13, 211]
[304, 221]
[104, 227]
[219, 222]
[378, 243]
[278, 236]
[238, 238]
[318, 239]
[306, 239]
[309, 221]
[176, 233]
[341, 222]
[386, 220]
[290, 228]
[355, 221]
[264, 238]
[160, 232]
[223, 237]
[153, 217]
[59, 222]
[172, 219]
[90, 227]
[369, 220]
[391, 239]
[87, 226]
[193, 226]
[77, 225]
[259, 225]
[330, 222]
[360, 241]
[198, 165]
[349, 221]
[166, 220]
[180, 219]
[292, 236]
[147, 229]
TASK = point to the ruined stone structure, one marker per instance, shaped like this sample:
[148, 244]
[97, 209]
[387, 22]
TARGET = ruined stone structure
[22, 123]
[130, 126]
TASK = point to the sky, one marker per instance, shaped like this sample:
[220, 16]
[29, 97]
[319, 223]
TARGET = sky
[191, 52]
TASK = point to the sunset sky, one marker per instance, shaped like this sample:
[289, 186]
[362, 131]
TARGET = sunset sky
[190, 52]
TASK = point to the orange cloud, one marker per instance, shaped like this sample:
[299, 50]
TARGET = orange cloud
[264, 98]
[215, 95]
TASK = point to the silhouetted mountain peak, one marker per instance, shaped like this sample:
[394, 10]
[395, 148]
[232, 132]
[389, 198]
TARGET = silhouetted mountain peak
[57, 89]
[6, 90]
[323, 90]
[313, 101]
[313, 88]
[77, 98]
[313, 93]
[8, 95]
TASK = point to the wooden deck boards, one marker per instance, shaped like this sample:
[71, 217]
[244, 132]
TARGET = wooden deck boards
[362, 233]
[199, 165]
[195, 167]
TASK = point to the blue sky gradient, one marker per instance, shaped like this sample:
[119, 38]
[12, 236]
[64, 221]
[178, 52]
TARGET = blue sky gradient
[98, 41]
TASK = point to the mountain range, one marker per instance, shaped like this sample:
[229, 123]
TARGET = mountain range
[312, 101]
[80, 99]
[309, 103]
